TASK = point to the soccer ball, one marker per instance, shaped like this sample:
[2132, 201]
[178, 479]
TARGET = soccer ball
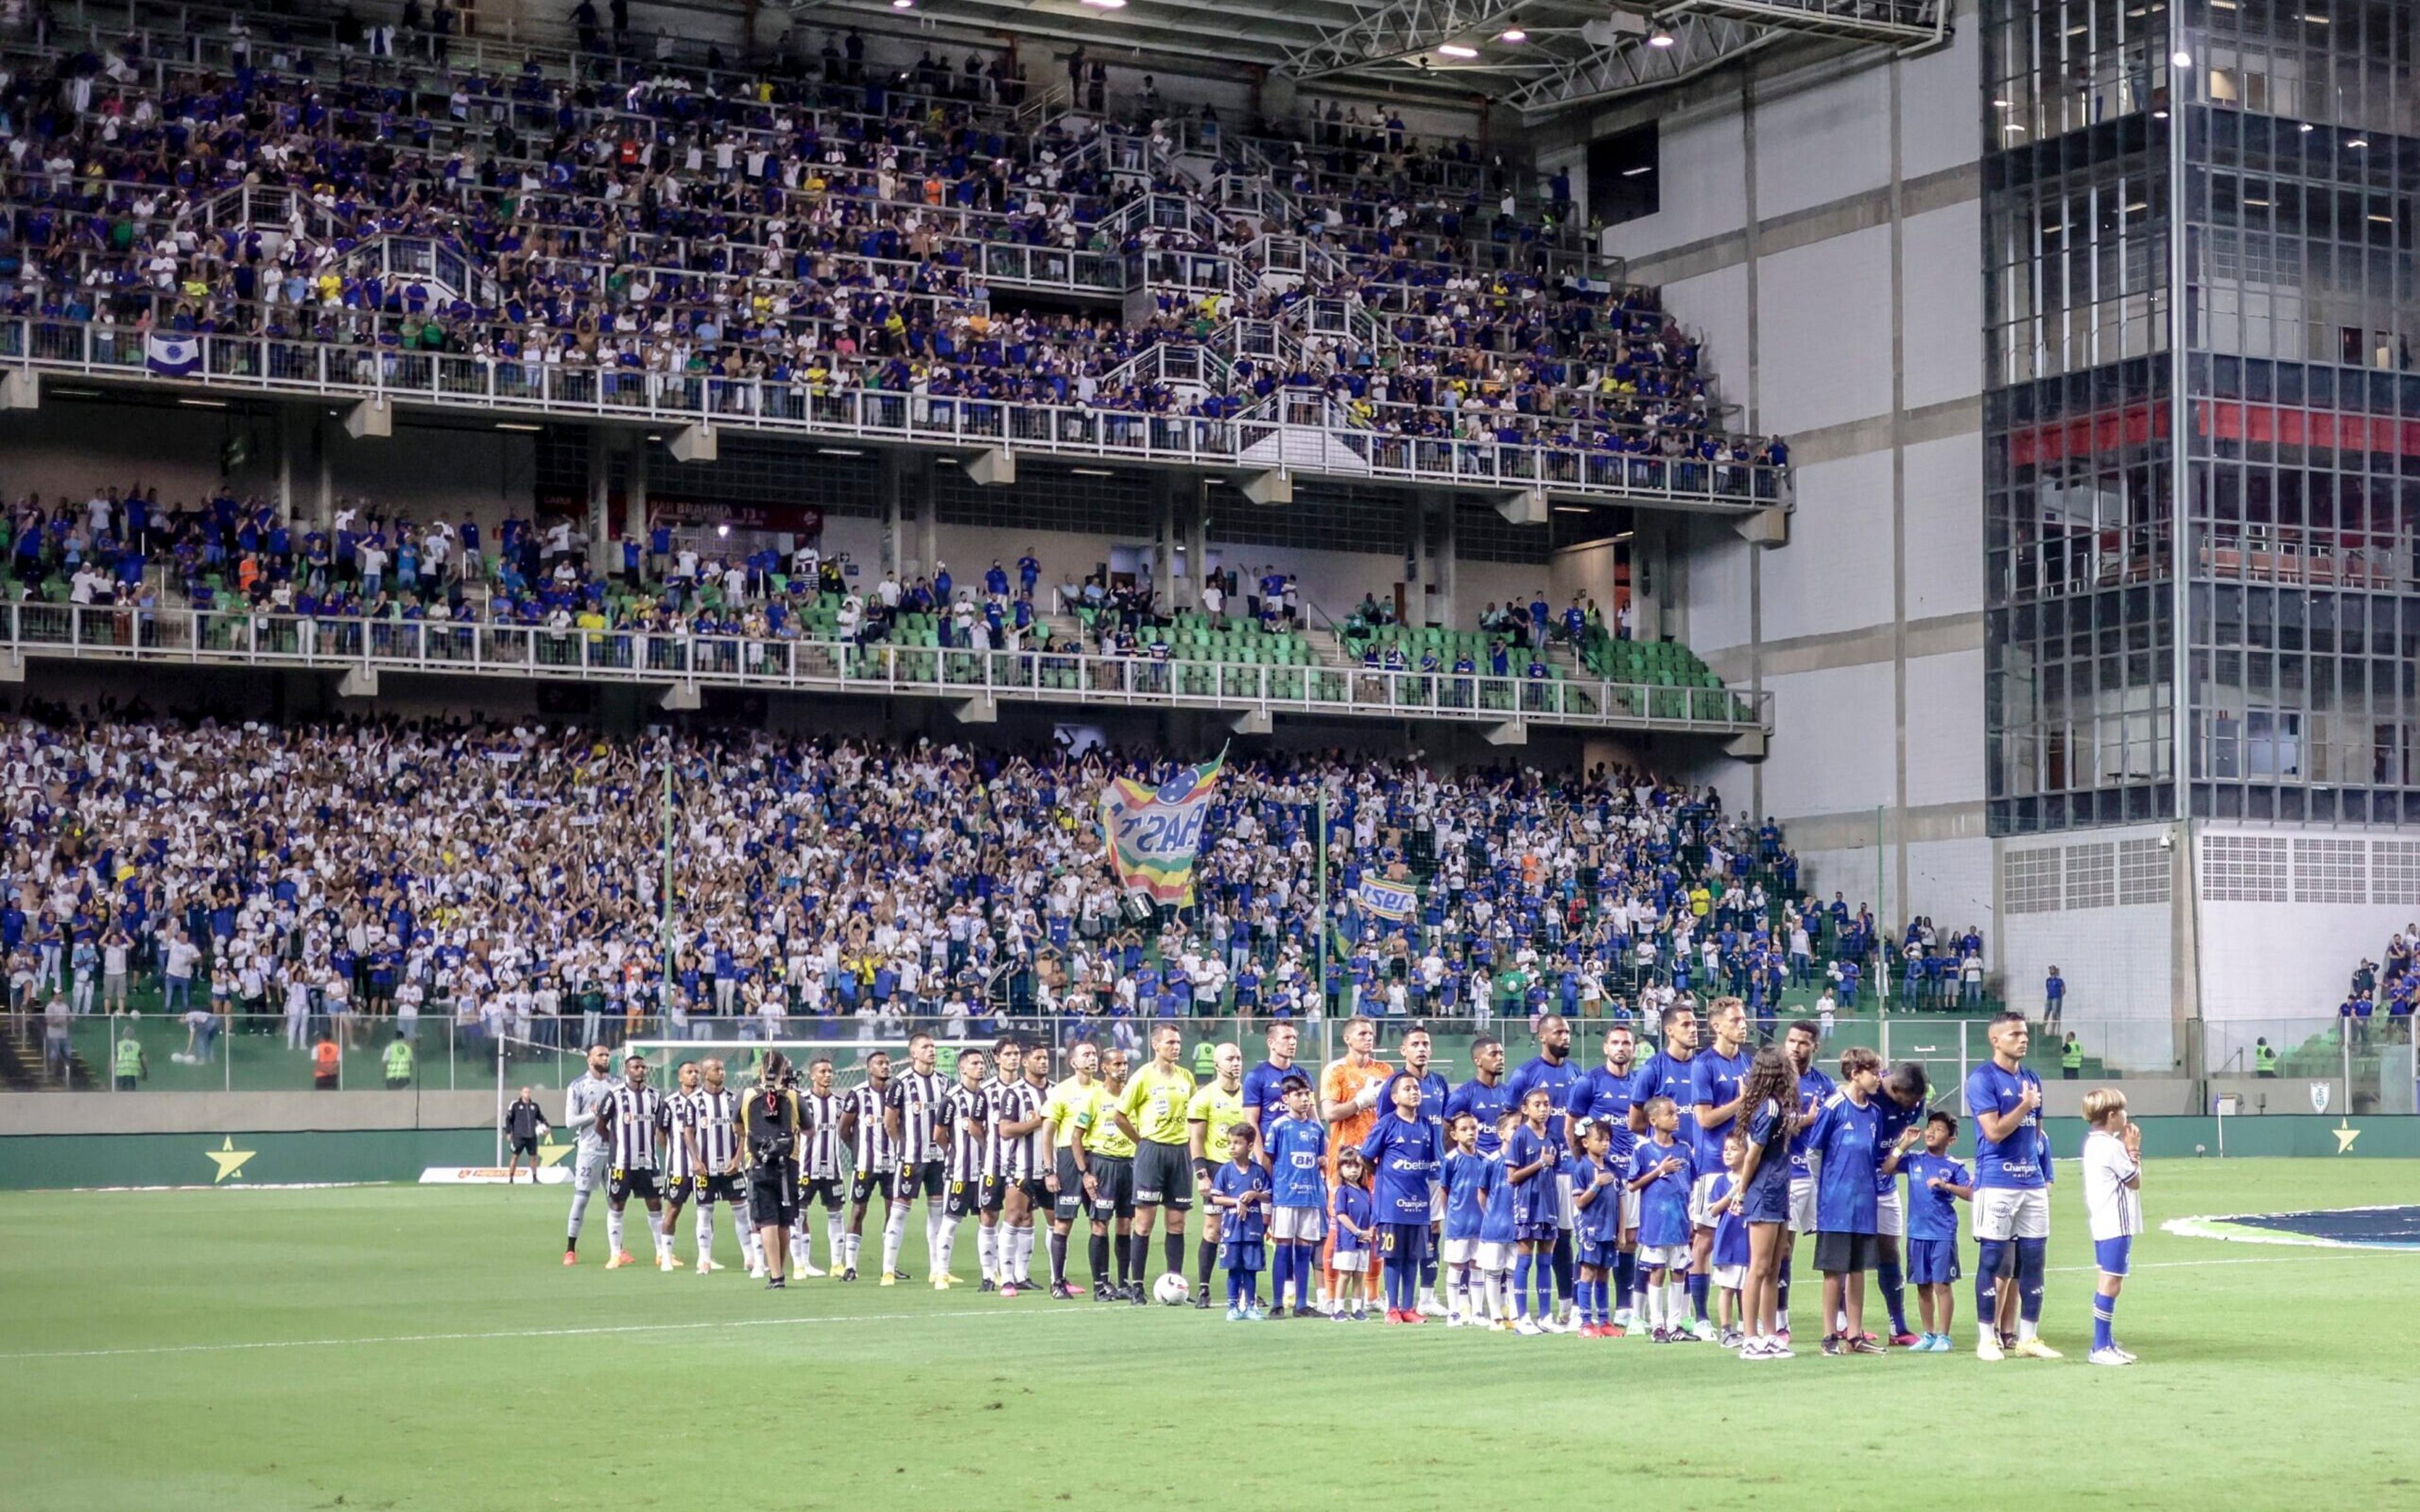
[1172, 1290]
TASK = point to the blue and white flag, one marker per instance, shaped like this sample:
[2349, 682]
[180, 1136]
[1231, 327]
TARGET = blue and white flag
[1387, 900]
[172, 356]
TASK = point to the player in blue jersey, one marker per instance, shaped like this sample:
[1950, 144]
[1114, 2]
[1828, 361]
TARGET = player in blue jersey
[1465, 1210]
[1402, 1151]
[1667, 1072]
[1499, 1236]
[1533, 1159]
[1484, 1097]
[1728, 1272]
[1661, 1173]
[1714, 1075]
[1296, 1152]
[1848, 1160]
[1596, 1193]
[1767, 1128]
[1239, 1191]
[1551, 1068]
[1264, 1084]
[1799, 1045]
[2011, 1196]
[1602, 1095]
[1898, 1109]
[1417, 1048]
[1936, 1182]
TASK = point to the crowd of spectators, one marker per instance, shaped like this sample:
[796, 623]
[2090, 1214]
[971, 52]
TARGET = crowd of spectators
[341, 880]
[825, 229]
[2391, 988]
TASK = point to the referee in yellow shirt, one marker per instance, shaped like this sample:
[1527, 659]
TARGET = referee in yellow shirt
[1151, 1112]
[1073, 1107]
[1215, 1110]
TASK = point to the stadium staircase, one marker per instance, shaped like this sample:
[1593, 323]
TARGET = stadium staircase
[20, 1059]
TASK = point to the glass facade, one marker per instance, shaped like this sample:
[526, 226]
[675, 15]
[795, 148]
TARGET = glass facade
[2198, 230]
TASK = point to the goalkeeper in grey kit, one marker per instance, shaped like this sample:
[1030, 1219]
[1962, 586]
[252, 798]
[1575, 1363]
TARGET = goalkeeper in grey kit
[581, 1102]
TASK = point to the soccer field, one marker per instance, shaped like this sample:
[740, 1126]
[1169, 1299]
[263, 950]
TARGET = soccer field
[401, 1347]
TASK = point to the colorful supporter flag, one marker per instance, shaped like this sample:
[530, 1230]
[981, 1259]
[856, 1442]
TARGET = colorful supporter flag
[1154, 833]
[1388, 900]
[172, 356]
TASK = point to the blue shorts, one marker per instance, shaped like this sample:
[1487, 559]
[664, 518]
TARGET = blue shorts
[1932, 1262]
[1241, 1255]
[1597, 1252]
[2111, 1255]
[1766, 1202]
[1403, 1244]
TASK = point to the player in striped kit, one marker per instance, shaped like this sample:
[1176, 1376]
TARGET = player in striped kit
[1008, 1066]
[715, 1158]
[865, 1123]
[819, 1114]
[1024, 1161]
[678, 1124]
[967, 1107]
[631, 1119]
[917, 1121]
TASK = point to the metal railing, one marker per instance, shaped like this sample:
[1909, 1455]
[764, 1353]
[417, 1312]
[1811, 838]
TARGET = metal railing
[280, 365]
[242, 637]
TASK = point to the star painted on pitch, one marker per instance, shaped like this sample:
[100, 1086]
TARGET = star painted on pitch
[2346, 1133]
[551, 1153]
[230, 1160]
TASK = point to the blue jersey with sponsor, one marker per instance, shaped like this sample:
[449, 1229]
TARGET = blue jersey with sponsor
[1403, 1153]
[1263, 1095]
[1605, 1097]
[1933, 1214]
[2016, 1161]
[1484, 1103]
[1535, 1196]
[1496, 1226]
[1846, 1157]
[1714, 1080]
[1813, 1089]
[1663, 1075]
[1295, 1148]
[1246, 1226]
[1465, 1194]
[1556, 1078]
[1891, 1120]
[1599, 1217]
[1730, 1226]
[1663, 1201]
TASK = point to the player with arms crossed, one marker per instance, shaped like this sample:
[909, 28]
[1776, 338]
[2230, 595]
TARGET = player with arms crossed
[2011, 1196]
[679, 1121]
[966, 1108]
[865, 1122]
[1022, 1145]
[581, 1101]
[821, 1113]
[631, 1119]
[918, 1124]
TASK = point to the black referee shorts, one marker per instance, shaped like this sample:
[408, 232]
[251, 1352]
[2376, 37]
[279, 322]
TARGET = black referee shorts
[1113, 1186]
[1068, 1204]
[1163, 1176]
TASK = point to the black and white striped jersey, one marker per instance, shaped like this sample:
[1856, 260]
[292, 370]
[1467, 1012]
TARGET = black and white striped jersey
[872, 1150]
[717, 1128]
[678, 1117]
[917, 1099]
[967, 1109]
[819, 1137]
[1024, 1157]
[633, 1115]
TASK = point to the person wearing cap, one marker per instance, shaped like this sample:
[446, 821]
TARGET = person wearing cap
[769, 1122]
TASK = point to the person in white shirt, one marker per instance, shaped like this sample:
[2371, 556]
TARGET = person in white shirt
[2113, 1203]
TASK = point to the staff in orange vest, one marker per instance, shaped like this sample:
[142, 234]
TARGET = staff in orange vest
[326, 1060]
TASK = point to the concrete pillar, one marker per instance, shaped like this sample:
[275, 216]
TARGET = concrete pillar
[288, 418]
[600, 491]
[922, 492]
[323, 501]
[1163, 541]
[634, 492]
[1442, 608]
[894, 481]
[1196, 537]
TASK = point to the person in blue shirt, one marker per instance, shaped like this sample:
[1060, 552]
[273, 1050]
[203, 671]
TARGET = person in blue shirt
[1898, 1108]
[1662, 1172]
[1297, 1150]
[1402, 1151]
[1264, 1084]
[1936, 1182]
[1798, 1046]
[1349, 1214]
[1484, 1097]
[1240, 1192]
[1602, 1095]
[1714, 1076]
[2054, 1001]
[1499, 1236]
[1466, 1172]
[1848, 1160]
[1416, 1047]
[1596, 1195]
[1724, 1200]
[1533, 1159]
[1766, 1130]
[1551, 1068]
[2011, 1196]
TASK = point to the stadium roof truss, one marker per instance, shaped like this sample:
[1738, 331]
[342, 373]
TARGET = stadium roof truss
[1539, 57]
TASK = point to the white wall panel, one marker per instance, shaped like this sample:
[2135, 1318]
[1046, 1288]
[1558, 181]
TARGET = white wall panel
[1703, 167]
[1716, 590]
[1826, 332]
[1836, 572]
[1944, 527]
[1832, 723]
[1942, 253]
[1945, 730]
[1816, 145]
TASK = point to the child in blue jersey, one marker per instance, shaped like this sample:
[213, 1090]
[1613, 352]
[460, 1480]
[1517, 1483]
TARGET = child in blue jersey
[1532, 1157]
[1499, 1235]
[1240, 1193]
[1349, 1217]
[1719, 1204]
[1297, 1149]
[1596, 1197]
[1401, 1148]
[1662, 1172]
[1936, 1182]
[1850, 1159]
[1466, 1174]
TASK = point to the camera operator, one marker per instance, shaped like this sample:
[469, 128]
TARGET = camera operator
[768, 1131]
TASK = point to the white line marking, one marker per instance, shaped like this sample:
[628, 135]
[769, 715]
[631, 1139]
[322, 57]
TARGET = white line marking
[527, 1334]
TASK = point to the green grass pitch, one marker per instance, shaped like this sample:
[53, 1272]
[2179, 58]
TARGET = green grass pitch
[401, 1347]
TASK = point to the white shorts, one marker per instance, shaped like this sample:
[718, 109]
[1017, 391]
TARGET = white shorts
[1458, 1252]
[1495, 1258]
[1663, 1257]
[1566, 1211]
[2012, 1213]
[1629, 1210]
[589, 1173]
[1297, 1226]
[1729, 1277]
[1802, 1204]
[1890, 1218]
[1436, 1204]
[1351, 1262]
